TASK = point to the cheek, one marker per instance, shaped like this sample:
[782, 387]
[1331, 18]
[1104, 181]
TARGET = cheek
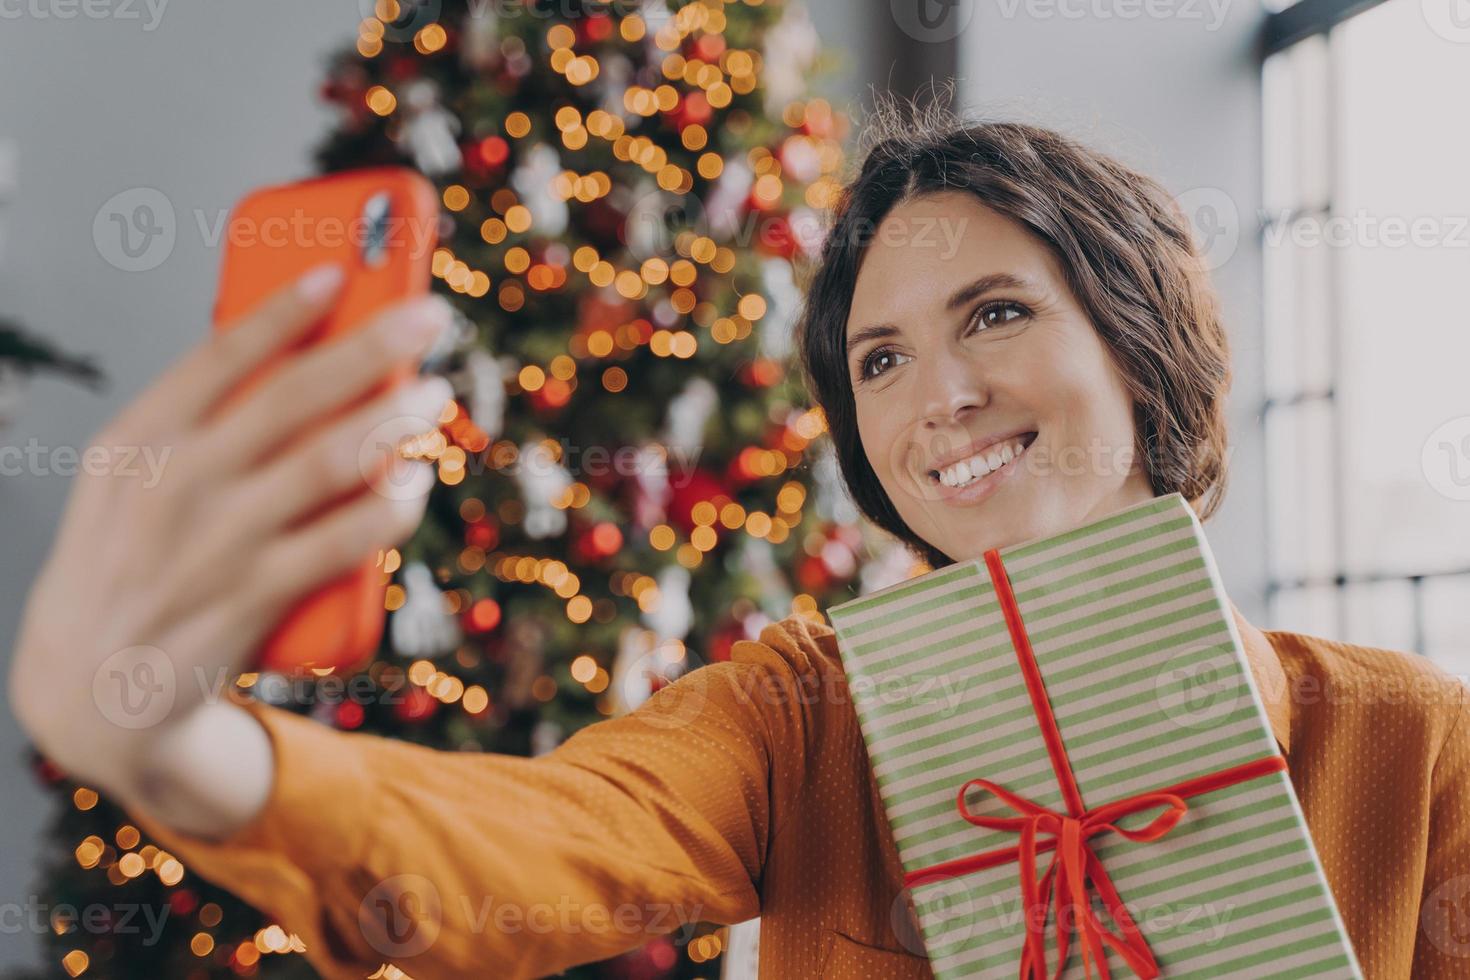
[1073, 379]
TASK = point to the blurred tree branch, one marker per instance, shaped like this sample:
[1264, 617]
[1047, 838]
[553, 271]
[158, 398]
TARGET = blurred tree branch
[30, 354]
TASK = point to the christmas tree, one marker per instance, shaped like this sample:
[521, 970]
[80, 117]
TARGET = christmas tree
[630, 479]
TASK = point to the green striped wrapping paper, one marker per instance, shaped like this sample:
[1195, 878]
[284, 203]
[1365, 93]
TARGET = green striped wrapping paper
[1149, 683]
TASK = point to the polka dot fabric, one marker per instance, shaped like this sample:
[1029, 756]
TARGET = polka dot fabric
[743, 789]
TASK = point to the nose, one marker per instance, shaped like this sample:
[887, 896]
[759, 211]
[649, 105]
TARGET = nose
[949, 387]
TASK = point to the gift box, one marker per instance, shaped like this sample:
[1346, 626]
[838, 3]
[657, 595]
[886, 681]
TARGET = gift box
[1077, 767]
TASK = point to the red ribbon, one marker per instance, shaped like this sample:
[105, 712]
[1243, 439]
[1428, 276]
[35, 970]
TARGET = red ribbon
[1075, 872]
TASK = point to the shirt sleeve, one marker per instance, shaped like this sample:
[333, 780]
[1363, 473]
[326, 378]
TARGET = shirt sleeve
[1442, 944]
[449, 864]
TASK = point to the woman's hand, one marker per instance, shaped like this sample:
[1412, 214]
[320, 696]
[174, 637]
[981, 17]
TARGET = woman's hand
[165, 578]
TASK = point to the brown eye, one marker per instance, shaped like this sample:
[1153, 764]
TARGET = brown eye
[999, 314]
[879, 361]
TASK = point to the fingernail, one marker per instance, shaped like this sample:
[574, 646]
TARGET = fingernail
[421, 324]
[437, 394]
[320, 282]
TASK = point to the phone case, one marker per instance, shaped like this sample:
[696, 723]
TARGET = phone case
[379, 224]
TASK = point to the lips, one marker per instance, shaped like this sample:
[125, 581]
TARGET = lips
[977, 487]
[958, 468]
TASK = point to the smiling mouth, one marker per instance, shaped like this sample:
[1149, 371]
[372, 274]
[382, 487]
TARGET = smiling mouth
[966, 471]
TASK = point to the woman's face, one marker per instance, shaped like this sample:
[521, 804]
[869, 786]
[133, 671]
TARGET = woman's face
[987, 404]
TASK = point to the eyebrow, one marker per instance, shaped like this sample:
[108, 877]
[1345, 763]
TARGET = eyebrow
[961, 296]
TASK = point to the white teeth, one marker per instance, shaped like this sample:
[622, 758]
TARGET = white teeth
[960, 473]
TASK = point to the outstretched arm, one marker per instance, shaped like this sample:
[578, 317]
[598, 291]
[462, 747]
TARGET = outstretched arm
[451, 864]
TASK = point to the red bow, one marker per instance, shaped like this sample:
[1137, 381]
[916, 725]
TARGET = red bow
[1077, 871]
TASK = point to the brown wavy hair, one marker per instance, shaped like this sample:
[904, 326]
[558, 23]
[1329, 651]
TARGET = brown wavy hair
[1128, 256]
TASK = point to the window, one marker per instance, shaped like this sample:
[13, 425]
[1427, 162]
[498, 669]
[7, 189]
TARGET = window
[1367, 316]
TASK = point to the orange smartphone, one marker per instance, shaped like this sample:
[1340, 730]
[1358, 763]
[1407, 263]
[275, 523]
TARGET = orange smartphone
[380, 225]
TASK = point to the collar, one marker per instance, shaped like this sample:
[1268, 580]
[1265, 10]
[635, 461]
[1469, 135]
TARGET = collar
[1270, 678]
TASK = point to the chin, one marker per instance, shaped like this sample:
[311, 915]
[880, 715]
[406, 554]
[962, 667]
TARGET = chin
[969, 535]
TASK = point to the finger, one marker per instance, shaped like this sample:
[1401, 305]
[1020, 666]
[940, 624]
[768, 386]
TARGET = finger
[300, 560]
[200, 379]
[326, 379]
[353, 453]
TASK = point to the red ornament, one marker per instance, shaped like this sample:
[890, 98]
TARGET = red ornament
[47, 771]
[693, 108]
[349, 715]
[551, 397]
[762, 372]
[182, 901]
[494, 150]
[689, 489]
[812, 574]
[402, 68]
[417, 705]
[484, 533]
[777, 237]
[602, 540]
[722, 642]
[709, 47]
[483, 616]
[593, 28]
[603, 309]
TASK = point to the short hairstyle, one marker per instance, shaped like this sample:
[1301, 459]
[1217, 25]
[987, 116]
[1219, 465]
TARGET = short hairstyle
[1129, 260]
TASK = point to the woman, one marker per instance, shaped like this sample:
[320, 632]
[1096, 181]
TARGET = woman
[1010, 335]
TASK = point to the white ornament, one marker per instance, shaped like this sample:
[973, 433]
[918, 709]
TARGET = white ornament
[783, 300]
[791, 48]
[483, 379]
[672, 615]
[648, 226]
[479, 41]
[533, 182]
[724, 209]
[634, 668]
[687, 415]
[545, 736]
[651, 470]
[430, 129]
[422, 626]
[895, 563]
[541, 480]
[616, 76]
[758, 561]
[833, 502]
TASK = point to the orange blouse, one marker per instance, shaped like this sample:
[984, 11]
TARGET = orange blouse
[743, 789]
